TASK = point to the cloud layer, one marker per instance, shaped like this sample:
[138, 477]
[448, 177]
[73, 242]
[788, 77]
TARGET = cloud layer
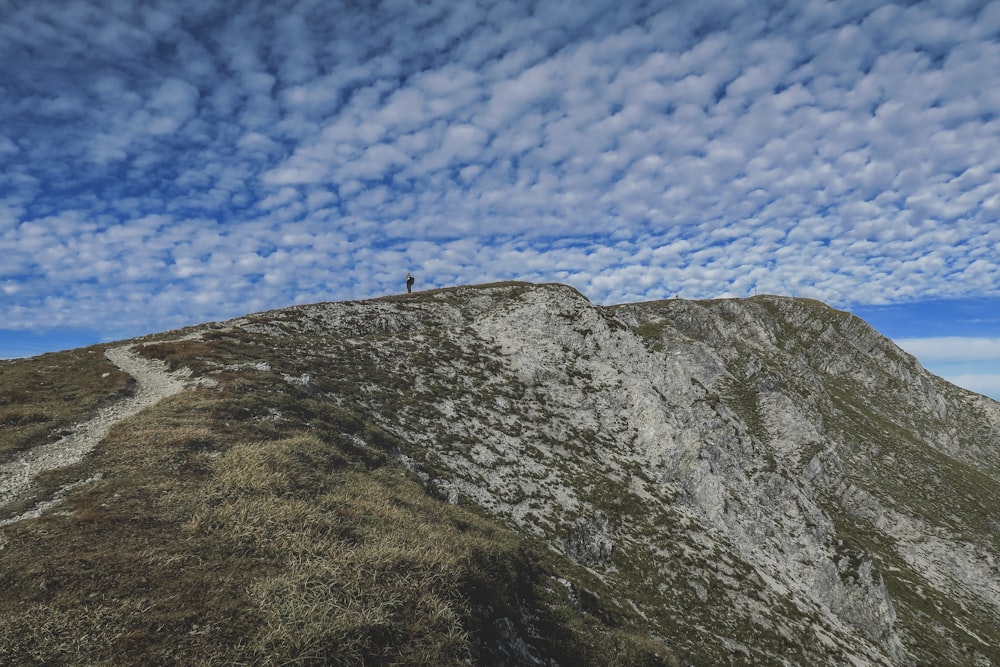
[168, 163]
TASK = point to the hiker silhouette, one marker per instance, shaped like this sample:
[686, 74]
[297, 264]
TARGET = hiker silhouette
[409, 283]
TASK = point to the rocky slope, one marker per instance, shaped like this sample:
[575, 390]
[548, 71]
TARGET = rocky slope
[771, 471]
[760, 481]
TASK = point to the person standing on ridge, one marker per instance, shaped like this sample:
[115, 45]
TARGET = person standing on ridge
[409, 283]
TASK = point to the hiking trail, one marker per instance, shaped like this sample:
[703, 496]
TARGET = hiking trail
[153, 383]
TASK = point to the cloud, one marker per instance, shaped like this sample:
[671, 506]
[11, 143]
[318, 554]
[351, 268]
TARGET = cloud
[987, 384]
[263, 154]
[948, 349]
[172, 104]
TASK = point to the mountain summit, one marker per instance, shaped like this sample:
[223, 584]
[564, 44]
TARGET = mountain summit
[503, 474]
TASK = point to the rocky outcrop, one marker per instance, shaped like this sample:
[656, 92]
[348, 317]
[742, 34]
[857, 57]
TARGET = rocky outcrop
[766, 481]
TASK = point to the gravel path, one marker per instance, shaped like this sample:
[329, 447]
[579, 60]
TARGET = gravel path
[153, 383]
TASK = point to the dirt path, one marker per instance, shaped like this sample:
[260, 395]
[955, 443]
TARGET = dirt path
[153, 383]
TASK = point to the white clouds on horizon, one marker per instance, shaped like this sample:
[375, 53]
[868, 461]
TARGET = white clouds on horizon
[987, 384]
[972, 362]
[953, 349]
[164, 165]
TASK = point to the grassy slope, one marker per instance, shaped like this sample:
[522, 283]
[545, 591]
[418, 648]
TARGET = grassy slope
[255, 524]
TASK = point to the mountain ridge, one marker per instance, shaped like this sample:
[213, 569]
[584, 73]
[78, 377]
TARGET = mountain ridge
[751, 481]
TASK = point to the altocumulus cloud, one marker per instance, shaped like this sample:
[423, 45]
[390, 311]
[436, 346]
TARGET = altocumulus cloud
[166, 163]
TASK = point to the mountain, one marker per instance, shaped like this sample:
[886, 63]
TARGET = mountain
[503, 474]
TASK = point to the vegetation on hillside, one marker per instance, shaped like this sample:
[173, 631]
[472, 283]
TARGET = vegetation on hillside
[255, 524]
[42, 396]
[316, 503]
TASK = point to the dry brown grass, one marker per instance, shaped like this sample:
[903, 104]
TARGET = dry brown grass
[108, 577]
[370, 566]
[363, 580]
[197, 548]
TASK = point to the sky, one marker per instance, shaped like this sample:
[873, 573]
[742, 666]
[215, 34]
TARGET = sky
[170, 163]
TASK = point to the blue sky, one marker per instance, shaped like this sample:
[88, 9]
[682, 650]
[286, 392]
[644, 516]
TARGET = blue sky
[169, 163]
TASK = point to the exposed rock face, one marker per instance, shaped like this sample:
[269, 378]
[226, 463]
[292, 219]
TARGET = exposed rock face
[767, 481]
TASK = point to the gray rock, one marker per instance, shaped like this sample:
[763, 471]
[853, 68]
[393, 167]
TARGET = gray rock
[768, 476]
